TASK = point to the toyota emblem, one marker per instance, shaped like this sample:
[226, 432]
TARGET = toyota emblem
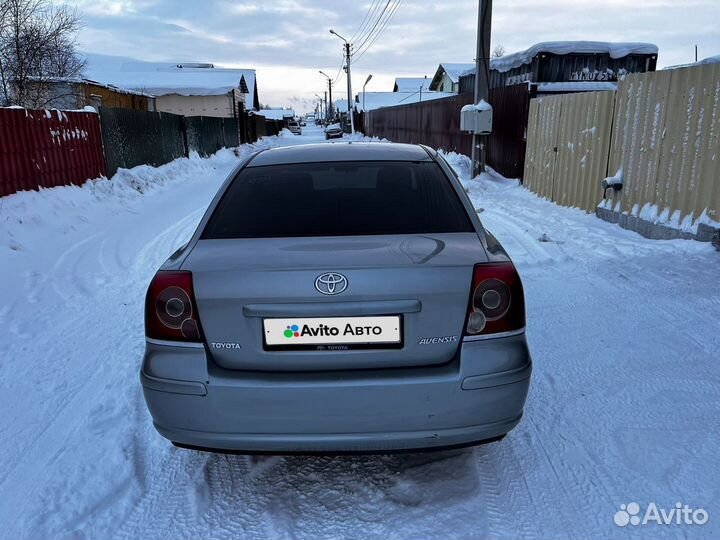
[331, 283]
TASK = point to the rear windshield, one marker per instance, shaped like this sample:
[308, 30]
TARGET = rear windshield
[338, 199]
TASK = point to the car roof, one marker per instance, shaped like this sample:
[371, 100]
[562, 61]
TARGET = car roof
[342, 151]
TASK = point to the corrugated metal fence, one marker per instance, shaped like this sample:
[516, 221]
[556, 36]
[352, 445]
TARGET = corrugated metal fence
[206, 135]
[661, 129]
[506, 148]
[140, 137]
[48, 148]
[568, 143]
[435, 123]
[667, 143]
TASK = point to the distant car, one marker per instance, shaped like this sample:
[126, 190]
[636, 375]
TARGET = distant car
[334, 298]
[294, 127]
[302, 123]
[334, 131]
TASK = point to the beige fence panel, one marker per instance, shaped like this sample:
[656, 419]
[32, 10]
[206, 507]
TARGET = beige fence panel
[568, 144]
[640, 111]
[543, 124]
[666, 141]
[583, 146]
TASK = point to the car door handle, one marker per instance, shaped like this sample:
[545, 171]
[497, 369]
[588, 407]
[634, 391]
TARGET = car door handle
[333, 309]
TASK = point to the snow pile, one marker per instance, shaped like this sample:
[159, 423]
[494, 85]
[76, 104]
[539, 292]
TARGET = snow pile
[615, 50]
[616, 180]
[673, 219]
[24, 214]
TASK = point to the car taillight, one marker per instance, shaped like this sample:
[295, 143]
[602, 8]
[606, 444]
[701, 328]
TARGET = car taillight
[497, 302]
[170, 310]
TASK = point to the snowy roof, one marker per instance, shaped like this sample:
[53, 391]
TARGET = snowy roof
[411, 84]
[453, 71]
[341, 105]
[376, 100]
[165, 78]
[80, 80]
[615, 50]
[276, 114]
[711, 60]
[708, 60]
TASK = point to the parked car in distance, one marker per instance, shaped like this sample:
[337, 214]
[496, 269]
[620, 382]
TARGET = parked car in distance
[294, 127]
[333, 131]
[334, 298]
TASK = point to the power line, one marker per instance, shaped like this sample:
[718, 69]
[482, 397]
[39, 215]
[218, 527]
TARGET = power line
[379, 31]
[374, 26]
[392, 12]
[368, 16]
[339, 72]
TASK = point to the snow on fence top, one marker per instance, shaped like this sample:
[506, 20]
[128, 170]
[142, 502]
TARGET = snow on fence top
[615, 50]
[708, 60]
[370, 101]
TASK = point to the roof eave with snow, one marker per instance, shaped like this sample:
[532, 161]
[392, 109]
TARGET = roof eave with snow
[614, 49]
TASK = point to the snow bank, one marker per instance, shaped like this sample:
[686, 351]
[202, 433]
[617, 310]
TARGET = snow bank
[25, 213]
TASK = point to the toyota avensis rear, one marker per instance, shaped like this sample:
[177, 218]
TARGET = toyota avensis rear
[337, 298]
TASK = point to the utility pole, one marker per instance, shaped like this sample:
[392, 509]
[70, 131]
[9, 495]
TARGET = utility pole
[482, 84]
[351, 116]
[349, 79]
[327, 114]
[331, 110]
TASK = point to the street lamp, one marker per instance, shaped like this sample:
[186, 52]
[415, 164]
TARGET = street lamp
[364, 85]
[329, 111]
[320, 99]
[349, 79]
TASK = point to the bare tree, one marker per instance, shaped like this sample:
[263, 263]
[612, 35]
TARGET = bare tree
[498, 51]
[37, 46]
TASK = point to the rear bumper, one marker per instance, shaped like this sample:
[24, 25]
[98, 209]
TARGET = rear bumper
[480, 395]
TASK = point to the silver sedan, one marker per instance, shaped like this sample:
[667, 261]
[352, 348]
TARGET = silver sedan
[337, 298]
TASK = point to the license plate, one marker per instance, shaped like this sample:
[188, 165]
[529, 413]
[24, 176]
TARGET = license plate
[332, 331]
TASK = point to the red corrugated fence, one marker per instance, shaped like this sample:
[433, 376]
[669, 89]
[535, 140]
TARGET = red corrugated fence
[41, 148]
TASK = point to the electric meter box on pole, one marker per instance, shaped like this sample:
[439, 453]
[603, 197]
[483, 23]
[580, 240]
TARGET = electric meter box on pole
[476, 118]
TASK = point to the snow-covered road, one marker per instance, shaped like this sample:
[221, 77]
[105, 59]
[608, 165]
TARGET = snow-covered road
[624, 404]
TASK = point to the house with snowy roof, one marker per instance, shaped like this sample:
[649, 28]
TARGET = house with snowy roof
[186, 88]
[411, 84]
[568, 66]
[447, 77]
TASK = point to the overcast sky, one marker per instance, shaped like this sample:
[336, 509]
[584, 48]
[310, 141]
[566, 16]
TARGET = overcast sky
[287, 41]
